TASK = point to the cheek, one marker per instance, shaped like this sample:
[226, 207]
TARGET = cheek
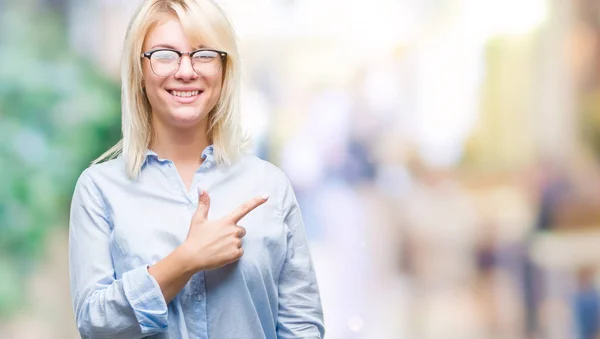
[153, 96]
[153, 89]
[217, 87]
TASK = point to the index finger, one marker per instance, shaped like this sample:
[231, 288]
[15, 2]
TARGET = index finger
[247, 207]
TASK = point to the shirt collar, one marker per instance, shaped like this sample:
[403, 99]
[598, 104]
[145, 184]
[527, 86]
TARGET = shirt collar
[207, 155]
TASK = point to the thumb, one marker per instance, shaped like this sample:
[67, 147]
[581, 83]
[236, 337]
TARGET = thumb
[203, 205]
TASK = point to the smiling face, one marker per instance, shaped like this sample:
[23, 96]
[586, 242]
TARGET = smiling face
[184, 99]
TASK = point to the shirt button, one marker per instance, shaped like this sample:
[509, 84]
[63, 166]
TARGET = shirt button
[208, 165]
[191, 206]
[199, 297]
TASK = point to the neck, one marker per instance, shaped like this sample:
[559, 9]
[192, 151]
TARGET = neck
[181, 145]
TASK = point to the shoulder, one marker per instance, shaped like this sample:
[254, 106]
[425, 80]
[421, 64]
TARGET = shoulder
[262, 169]
[111, 167]
[272, 178]
[97, 174]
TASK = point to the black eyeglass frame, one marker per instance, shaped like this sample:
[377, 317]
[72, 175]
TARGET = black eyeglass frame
[148, 55]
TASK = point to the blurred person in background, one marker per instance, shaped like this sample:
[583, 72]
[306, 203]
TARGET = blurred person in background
[157, 222]
[586, 305]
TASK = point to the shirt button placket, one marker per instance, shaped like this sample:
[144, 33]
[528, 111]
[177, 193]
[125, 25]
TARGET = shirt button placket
[200, 296]
[201, 287]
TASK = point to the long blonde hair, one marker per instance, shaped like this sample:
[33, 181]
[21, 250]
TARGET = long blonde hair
[203, 22]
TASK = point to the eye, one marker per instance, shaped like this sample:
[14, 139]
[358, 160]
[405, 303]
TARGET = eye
[165, 56]
[205, 56]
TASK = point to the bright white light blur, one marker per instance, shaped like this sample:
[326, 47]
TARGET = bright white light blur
[255, 113]
[355, 324]
[507, 17]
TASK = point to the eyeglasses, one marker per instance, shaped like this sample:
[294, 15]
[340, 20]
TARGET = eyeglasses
[166, 62]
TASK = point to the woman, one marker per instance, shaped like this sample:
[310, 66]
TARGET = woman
[156, 234]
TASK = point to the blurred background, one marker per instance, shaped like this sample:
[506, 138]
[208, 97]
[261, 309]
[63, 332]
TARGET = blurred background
[445, 154]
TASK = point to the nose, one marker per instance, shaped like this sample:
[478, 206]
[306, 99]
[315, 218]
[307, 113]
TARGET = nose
[186, 69]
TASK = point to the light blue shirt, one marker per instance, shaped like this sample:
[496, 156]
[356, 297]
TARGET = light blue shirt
[118, 227]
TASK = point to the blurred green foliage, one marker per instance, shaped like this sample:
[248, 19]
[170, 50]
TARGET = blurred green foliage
[57, 113]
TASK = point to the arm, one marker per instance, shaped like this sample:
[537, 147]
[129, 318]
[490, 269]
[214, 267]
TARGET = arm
[105, 307]
[135, 306]
[300, 312]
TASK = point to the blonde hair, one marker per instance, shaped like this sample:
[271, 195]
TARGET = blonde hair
[203, 22]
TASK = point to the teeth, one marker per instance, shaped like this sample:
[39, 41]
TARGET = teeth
[184, 94]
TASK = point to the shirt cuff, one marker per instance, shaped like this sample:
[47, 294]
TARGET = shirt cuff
[145, 297]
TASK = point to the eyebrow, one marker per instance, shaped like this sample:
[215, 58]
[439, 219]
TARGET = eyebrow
[172, 47]
[163, 46]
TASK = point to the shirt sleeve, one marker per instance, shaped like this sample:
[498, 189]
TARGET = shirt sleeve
[300, 314]
[105, 307]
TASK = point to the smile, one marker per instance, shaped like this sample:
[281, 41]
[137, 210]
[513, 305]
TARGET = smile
[184, 94]
[185, 97]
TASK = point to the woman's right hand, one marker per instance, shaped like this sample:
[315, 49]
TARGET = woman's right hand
[216, 243]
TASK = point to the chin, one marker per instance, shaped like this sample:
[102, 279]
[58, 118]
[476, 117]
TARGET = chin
[187, 117]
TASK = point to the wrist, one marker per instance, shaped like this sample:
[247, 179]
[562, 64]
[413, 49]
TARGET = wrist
[189, 258]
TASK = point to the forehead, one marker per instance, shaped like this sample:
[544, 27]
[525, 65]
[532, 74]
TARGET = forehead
[167, 32]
